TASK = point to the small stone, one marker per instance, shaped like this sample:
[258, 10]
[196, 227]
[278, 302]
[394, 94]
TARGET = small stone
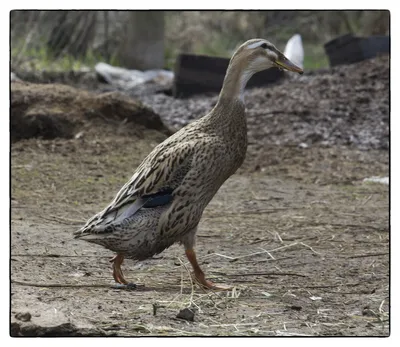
[368, 312]
[303, 145]
[23, 316]
[186, 314]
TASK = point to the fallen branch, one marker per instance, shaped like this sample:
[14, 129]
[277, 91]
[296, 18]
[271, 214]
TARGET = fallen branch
[65, 285]
[342, 225]
[53, 255]
[239, 213]
[273, 273]
[60, 285]
[367, 255]
[326, 286]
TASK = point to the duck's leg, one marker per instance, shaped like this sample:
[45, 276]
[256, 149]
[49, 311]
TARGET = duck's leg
[117, 271]
[197, 271]
[189, 241]
[122, 283]
[199, 274]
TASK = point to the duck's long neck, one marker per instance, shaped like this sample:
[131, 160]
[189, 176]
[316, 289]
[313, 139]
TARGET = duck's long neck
[236, 78]
[229, 113]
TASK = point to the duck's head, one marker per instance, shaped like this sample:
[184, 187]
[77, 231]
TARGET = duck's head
[252, 56]
[258, 54]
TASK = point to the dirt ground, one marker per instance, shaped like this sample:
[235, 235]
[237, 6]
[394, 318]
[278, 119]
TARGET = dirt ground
[301, 238]
[304, 257]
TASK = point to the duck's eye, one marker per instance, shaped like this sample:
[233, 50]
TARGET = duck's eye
[264, 45]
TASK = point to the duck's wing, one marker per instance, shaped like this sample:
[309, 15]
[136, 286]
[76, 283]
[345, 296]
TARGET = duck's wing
[151, 185]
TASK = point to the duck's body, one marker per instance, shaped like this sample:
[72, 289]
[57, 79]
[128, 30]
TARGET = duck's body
[193, 163]
[165, 198]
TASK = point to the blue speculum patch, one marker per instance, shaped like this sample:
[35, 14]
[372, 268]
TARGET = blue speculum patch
[160, 198]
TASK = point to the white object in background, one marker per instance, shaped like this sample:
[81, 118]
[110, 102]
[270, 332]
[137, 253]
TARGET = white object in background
[130, 78]
[14, 77]
[294, 50]
[119, 76]
[376, 179]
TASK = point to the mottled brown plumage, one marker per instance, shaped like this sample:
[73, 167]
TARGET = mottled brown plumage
[164, 200]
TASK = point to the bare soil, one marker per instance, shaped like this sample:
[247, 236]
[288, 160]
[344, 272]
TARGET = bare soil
[345, 105]
[301, 238]
[59, 111]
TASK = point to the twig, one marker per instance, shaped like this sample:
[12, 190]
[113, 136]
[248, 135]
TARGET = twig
[327, 286]
[218, 254]
[183, 332]
[61, 285]
[65, 285]
[273, 250]
[232, 325]
[341, 225]
[52, 255]
[211, 236]
[381, 311]
[284, 333]
[270, 273]
[279, 237]
[63, 220]
[309, 247]
[271, 210]
[191, 283]
[367, 255]
[366, 200]
[269, 254]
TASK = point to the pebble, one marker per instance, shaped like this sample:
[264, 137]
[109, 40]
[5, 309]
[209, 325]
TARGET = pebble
[23, 316]
[186, 314]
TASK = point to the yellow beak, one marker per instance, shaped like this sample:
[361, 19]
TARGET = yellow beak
[286, 64]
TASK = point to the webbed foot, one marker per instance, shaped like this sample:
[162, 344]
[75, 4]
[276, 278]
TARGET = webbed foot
[128, 286]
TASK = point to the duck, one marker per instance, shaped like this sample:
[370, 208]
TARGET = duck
[165, 198]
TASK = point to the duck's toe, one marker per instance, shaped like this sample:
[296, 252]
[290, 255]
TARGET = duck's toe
[127, 286]
[200, 279]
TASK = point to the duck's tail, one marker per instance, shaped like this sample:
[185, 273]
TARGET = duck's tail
[104, 222]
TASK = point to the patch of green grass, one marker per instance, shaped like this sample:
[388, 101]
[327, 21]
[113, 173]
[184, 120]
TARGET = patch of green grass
[41, 58]
[314, 54]
[218, 46]
[315, 57]
[170, 55]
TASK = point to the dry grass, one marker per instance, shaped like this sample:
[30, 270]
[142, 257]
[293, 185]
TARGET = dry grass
[302, 258]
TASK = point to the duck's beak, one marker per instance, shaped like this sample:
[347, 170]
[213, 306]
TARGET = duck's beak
[285, 63]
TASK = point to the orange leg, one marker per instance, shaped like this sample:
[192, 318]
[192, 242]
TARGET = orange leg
[198, 272]
[117, 272]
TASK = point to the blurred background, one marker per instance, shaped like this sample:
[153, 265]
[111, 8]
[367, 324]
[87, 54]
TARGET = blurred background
[72, 40]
